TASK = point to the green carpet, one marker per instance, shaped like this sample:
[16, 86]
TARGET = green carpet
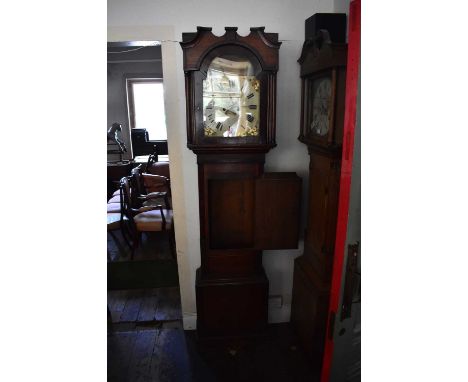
[142, 274]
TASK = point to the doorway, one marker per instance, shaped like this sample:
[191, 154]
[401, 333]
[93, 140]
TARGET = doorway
[143, 285]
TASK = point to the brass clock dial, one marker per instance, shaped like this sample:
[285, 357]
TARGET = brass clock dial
[319, 122]
[231, 99]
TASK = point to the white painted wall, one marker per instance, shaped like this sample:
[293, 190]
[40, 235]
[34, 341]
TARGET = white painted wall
[341, 6]
[166, 20]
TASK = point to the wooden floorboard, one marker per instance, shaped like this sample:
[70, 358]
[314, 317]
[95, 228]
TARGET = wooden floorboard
[132, 306]
[170, 360]
[148, 355]
[140, 363]
[172, 355]
[117, 299]
[275, 358]
[149, 305]
[116, 303]
[143, 305]
[168, 305]
[119, 347]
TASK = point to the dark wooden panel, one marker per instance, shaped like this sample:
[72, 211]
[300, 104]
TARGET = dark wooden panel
[231, 204]
[230, 263]
[309, 308]
[277, 202]
[232, 307]
[340, 104]
[318, 201]
[323, 209]
[276, 357]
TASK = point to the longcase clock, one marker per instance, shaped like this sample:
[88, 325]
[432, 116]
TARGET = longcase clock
[323, 77]
[230, 83]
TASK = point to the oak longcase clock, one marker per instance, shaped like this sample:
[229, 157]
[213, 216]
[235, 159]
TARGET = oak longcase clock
[230, 84]
[323, 77]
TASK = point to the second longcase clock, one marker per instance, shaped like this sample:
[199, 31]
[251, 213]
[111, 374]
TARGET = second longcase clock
[323, 77]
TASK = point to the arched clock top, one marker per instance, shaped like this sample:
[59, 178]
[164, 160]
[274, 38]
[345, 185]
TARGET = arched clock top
[323, 77]
[265, 46]
[235, 51]
[319, 53]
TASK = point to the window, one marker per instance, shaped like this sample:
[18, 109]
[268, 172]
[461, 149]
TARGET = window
[146, 107]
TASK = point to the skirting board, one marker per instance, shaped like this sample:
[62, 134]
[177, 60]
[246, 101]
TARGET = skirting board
[275, 316]
[189, 321]
[279, 315]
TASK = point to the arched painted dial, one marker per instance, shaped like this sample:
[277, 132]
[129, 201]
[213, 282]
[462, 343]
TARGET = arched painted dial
[231, 99]
[321, 103]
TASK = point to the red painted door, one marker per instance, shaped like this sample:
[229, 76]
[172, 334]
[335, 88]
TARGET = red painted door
[352, 76]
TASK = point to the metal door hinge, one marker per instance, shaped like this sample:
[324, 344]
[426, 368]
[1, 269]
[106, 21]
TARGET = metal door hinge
[352, 281]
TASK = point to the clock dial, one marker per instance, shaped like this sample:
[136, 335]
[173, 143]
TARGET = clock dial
[231, 99]
[319, 120]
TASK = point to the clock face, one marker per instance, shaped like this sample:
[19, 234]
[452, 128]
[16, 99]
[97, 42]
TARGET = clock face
[319, 119]
[231, 99]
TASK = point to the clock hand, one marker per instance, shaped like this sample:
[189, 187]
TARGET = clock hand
[324, 109]
[229, 112]
[226, 111]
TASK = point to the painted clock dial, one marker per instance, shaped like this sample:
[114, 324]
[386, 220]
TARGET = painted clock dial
[319, 122]
[231, 99]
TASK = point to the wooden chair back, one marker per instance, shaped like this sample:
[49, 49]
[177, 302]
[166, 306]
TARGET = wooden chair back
[126, 198]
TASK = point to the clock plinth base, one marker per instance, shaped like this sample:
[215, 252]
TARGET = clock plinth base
[232, 308]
